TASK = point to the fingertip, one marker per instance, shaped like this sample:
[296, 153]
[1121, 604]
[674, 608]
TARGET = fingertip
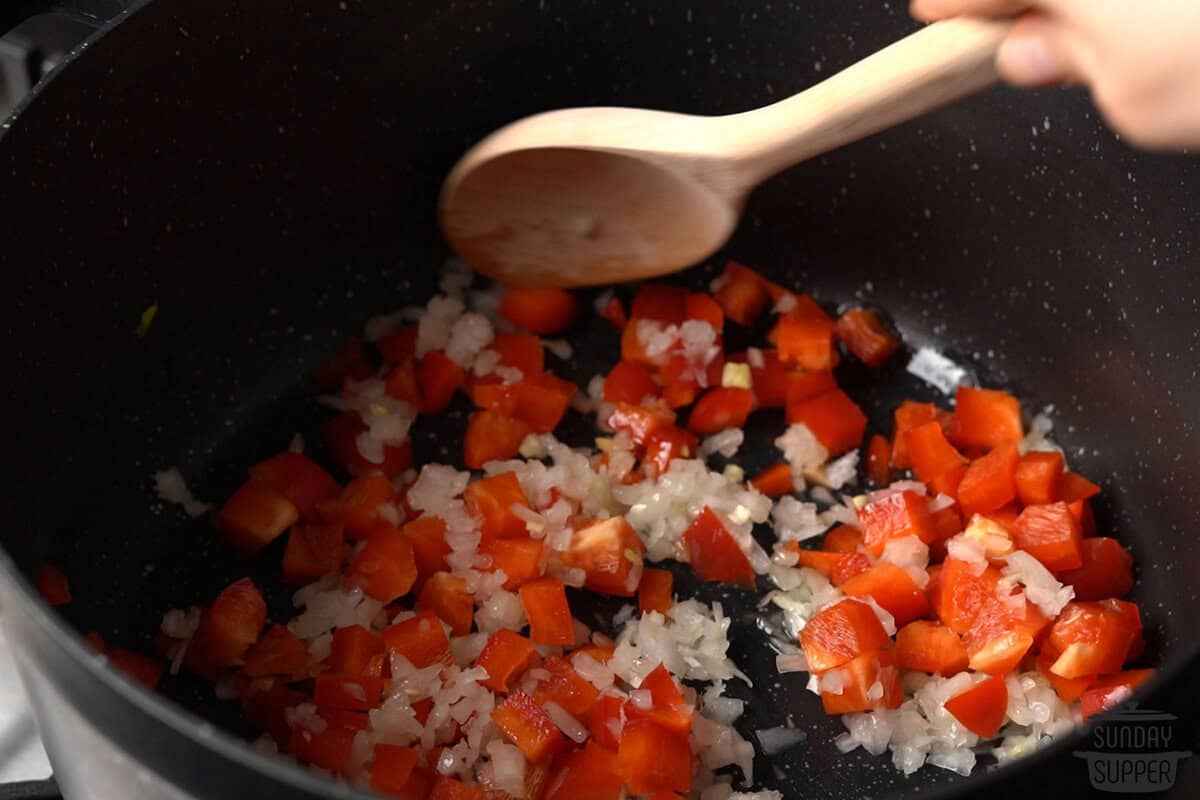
[1028, 57]
[924, 10]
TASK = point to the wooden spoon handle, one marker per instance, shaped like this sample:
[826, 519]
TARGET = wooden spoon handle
[938, 64]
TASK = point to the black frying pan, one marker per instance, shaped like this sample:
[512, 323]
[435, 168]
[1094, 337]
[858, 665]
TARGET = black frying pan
[266, 173]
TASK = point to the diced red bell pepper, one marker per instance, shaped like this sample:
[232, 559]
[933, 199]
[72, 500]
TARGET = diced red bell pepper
[633, 348]
[492, 437]
[869, 680]
[1092, 638]
[446, 595]
[227, 629]
[839, 633]
[520, 351]
[713, 552]
[653, 759]
[543, 400]
[660, 301]
[804, 386]
[665, 444]
[566, 688]
[255, 516]
[347, 692]
[614, 312]
[357, 507]
[849, 565]
[823, 562]
[492, 500]
[960, 593]
[396, 346]
[266, 709]
[447, 788]
[420, 639]
[681, 383]
[352, 649]
[278, 653]
[52, 585]
[350, 364]
[703, 307]
[930, 454]
[667, 708]
[401, 383]
[588, 773]
[427, 535]
[341, 437]
[639, 421]
[741, 293]
[329, 749]
[835, 419]
[981, 708]
[1109, 692]
[879, 458]
[313, 551]
[865, 336]
[1052, 535]
[719, 408]
[655, 591]
[385, 569]
[989, 482]
[930, 647]
[605, 720]
[629, 383]
[774, 481]
[506, 655]
[392, 768]
[610, 554]
[143, 669]
[439, 378]
[842, 539]
[530, 728]
[602, 653]
[908, 415]
[549, 615]
[947, 522]
[298, 478]
[1037, 477]
[892, 588]
[999, 637]
[1072, 486]
[1067, 689]
[805, 340]
[521, 559]
[984, 418]
[1107, 570]
[543, 311]
[1082, 511]
[895, 516]
[768, 381]
[492, 394]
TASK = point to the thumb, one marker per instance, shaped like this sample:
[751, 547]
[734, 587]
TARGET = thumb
[1037, 53]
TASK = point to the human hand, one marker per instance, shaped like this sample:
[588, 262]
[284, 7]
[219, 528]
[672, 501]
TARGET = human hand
[1141, 60]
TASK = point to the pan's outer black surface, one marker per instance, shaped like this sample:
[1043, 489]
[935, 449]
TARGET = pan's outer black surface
[266, 173]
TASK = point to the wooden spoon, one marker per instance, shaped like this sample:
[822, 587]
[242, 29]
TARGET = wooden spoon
[597, 195]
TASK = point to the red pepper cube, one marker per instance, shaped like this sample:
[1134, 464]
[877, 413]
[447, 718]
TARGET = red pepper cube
[347, 692]
[227, 629]
[822, 562]
[439, 378]
[392, 768]
[143, 669]
[520, 351]
[446, 595]
[895, 516]
[841, 632]
[589, 773]
[849, 565]
[525, 724]
[427, 535]
[653, 759]
[932, 456]
[1052, 535]
[774, 481]
[566, 688]
[341, 437]
[520, 559]
[385, 569]
[984, 418]
[506, 656]
[865, 336]
[655, 591]
[52, 585]
[1107, 570]
[981, 708]
[266, 709]
[879, 461]
[420, 639]
[960, 592]
[313, 551]
[1109, 692]
[255, 516]
[719, 408]
[330, 749]
[278, 653]
[544, 311]
[492, 437]
[805, 340]
[908, 415]
[543, 400]
[614, 313]
[835, 419]
[892, 588]
[492, 499]
[352, 650]
[660, 301]
[665, 444]
[868, 681]
[930, 647]
[667, 709]
[713, 552]
[999, 637]
[768, 377]
[605, 721]
[1093, 638]
[741, 293]
[349, 363]
[639, 421]
[356, 509]
[1037, 477]
[298, 478]
[990, 481]
[1073, 487]
[610, 554]
[549, 615]
[842, 539]
[492, 394]
[804, 386]
[629, 383]
[401, 383]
